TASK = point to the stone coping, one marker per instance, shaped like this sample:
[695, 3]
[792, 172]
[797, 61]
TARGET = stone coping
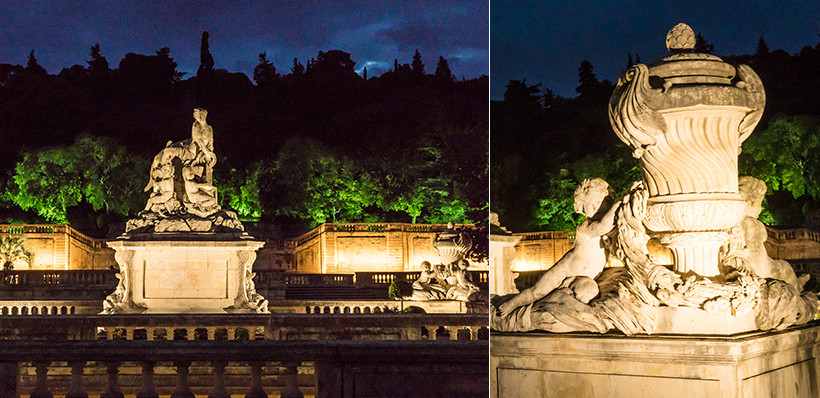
[186, 236]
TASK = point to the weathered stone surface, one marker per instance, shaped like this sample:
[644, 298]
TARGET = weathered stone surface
[587, 366]
[166, 276]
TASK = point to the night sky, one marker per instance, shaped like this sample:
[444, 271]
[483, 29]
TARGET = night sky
[373, 32]
[545, 41]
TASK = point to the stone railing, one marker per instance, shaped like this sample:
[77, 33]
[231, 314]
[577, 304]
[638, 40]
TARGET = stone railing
[546, 235]
[31, 228]
[370, 279]
[318, 279]
[370, 368]
[375, 227]
[247, 326]
[50, 307]
[359, 279]
[65, 279]
[793, 234]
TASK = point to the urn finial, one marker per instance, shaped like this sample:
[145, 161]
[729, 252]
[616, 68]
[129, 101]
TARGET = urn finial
[680, 39]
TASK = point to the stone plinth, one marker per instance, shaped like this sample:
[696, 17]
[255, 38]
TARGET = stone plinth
[756, 364]
[695, 321]
[184, 276]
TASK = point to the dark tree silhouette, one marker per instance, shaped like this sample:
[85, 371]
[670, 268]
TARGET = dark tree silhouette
[762, 48]
[97, 63]
[443, 71]
[417, 66]
[298, 69]
[364, 73]
[703, 46]
[206, 60]
[587, 80]
[33, 67]
[629, 62]
[264, 72]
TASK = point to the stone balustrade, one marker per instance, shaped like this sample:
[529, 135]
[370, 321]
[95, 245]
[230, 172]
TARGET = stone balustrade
[317, 279]
[340, 368]
[156, 327]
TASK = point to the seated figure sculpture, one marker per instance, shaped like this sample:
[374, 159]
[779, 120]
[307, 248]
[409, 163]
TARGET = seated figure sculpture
[423, 289]
[595, 199]
[751, 234]
[463, 286]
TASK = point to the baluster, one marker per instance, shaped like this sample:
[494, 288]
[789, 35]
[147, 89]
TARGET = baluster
[291, 382]
[41, 382]
[148, 390]
[474, 332]
[190, 333]
[431, 332]
[112, 388]
[76, 388]
[211, 333]
[129, 333]
[231, 333]
[453, 330]
[255, 390]
[219, 381]
[182, 390]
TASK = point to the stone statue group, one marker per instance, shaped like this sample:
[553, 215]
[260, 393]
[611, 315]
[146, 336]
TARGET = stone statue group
[183, 196]
[448, 280]
[579, 293]
[443, 282]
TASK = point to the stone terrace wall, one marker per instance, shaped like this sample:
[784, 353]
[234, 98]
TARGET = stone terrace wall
[540, 250]
[328, 248]
[349, 248]
[60, 247]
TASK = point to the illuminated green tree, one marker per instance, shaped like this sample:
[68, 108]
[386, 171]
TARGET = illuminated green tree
[784, 156]
[92, 170]
[310, 182]
[240, 191]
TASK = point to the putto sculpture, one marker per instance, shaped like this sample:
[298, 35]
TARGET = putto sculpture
[183, 197]
[685, 118]
[452, 280]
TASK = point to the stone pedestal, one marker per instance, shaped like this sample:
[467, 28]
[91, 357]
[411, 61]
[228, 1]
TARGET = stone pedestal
[502, 253]
[185, 276]
[755, 364]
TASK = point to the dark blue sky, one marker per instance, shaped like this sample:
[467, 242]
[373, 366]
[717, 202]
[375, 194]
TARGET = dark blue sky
[373, 32]
[545, 41]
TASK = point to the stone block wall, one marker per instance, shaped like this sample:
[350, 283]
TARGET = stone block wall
[60, 247]
[328, 248]
[349, 248]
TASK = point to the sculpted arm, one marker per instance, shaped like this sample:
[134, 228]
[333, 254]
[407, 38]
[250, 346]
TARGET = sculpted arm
[605, 224]
[548, 282]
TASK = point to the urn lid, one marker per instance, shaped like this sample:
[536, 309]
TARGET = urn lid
[683, 66]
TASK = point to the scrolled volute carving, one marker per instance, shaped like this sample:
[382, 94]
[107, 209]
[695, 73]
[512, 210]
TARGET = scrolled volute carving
[634, 121]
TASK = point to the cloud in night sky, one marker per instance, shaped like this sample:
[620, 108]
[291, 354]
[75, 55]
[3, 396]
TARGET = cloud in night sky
[374, 33]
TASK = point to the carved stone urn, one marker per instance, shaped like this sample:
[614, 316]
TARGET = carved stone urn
[451, 245]
[685, 117]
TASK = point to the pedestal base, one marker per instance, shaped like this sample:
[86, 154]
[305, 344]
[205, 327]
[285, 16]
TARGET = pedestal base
[185, 277]
[694, 321]
[757, 364]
